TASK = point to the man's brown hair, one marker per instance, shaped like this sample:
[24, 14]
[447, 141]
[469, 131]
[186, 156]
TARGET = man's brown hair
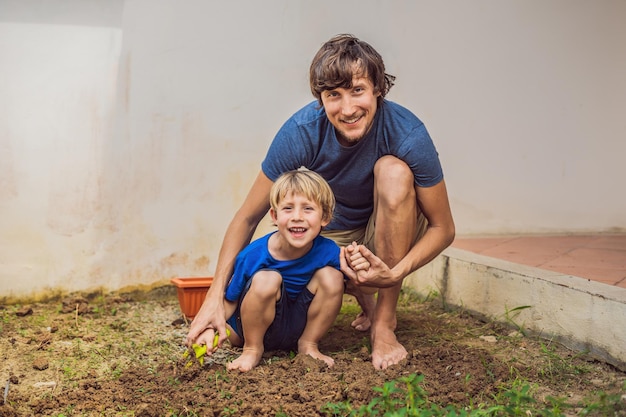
[343, 57]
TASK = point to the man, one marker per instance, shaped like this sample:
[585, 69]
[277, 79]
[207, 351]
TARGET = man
[392, 204]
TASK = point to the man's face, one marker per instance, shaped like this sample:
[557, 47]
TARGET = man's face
[351, 110]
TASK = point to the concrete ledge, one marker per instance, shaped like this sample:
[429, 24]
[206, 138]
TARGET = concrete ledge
[583, 315]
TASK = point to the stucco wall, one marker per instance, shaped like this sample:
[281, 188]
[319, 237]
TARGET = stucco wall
[130, 131]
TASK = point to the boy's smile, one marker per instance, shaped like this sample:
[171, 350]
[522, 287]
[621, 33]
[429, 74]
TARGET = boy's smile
[299, 221]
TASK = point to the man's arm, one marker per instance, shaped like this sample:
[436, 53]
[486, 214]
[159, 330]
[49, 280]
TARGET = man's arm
[238, 234]
[434, 204]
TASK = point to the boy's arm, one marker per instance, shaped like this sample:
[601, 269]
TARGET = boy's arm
[238, 234]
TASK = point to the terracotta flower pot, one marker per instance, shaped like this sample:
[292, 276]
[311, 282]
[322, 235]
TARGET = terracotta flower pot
[191, 293]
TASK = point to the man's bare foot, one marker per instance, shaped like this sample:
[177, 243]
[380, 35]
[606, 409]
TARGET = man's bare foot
[386, 350]
[248, 360]
[367, 302]
[361, 322]
[312, 350]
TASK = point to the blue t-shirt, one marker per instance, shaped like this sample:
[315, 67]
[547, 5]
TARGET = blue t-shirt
[308, 139]
[296, 273]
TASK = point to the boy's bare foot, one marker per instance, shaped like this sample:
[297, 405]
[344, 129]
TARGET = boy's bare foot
[386, 350]
[312, 350]
[248, 360]
[361, 322]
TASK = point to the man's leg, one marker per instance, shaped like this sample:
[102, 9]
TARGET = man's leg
[366, 301]
[396, 217]
[327, 287]
[258, 309]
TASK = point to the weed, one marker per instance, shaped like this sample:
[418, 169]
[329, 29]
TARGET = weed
[231, 410]
[271, 360]
[350, 308]
[406, 397]
[281, 413]
[510, 317]
[186, 413]
[408, 296]
[116, 373]
[557, 367]
[606, 404]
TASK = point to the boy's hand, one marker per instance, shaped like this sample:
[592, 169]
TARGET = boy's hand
[373, 273]
[353, 264]
[355, 258]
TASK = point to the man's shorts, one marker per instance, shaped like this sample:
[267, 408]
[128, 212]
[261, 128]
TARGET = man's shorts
[289, 321]
[365, 235]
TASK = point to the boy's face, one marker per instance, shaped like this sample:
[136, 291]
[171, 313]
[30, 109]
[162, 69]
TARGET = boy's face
[351, 110]
[299, 220]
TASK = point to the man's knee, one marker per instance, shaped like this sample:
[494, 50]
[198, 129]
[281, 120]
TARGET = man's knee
[393, 179]
[390, 167]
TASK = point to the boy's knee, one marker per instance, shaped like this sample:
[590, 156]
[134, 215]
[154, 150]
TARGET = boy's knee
[266, 283]
[329, 280]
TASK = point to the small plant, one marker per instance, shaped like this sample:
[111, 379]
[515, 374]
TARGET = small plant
[405, 397]
[409, 296]
[558, 367]
[510, 316]
[401, 397]
[607, 404]
[201, 350]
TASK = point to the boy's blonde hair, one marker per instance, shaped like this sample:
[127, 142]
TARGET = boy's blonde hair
[307, 183]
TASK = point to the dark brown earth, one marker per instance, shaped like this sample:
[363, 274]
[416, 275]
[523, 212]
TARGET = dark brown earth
[112, 355]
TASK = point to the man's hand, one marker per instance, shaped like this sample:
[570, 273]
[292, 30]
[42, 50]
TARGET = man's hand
[208, 321]
[364, 268]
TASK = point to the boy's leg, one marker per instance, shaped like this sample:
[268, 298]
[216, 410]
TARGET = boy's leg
[397, 223]
[258, 308]
[327, 288]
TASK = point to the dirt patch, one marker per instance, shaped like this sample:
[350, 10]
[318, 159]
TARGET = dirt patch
[122, 356]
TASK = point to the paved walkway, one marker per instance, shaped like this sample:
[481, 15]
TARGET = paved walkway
[600, 257]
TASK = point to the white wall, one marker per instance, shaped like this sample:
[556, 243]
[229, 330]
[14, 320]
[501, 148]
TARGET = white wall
[130, 131]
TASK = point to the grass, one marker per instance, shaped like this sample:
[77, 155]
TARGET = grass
[87, 344]
[406, 397]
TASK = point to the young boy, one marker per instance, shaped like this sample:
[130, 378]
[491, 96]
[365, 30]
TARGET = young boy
[286, 289]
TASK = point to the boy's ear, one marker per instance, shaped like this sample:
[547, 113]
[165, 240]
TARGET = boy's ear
[325, 222]
[273, 215]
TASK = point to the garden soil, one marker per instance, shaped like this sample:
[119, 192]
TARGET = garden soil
[122, 355]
